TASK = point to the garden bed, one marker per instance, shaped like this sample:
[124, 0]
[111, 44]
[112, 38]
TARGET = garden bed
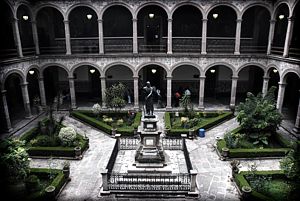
[53, 151]
[124, 123]
[278, 147]
[204, 120]
[273, 185]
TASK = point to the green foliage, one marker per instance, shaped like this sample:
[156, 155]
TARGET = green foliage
[114, 96]
[185, 102]
[14, 162]
[32, 183]
[290, 165]
[259, 114]
[67, 136]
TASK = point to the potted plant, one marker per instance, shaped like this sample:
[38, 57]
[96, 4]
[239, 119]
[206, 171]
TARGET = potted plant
[50, 192]
[234, 167]
[246, 192]
[225, 151]
[77, 150]
[167, 130]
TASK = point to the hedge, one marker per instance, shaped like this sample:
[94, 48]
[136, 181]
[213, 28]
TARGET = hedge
[57, 182]
[82, 115]
[212, 122]
[241, 181]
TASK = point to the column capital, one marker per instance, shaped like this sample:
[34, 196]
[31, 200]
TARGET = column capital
[170, 19]
[3, 92]
[66, 21]
[239, 20]
[71, 77]
[266, 77]
[33, 21]
[24, 84]
[100, 20]
[204, 20]
[134, 19]
[291, 18]
[41, 78]
[272, 21]
[102, 77]
[135, 77]
[202, 77]
[235, 77]
[169, 77]
[282, 83]
[15, 19]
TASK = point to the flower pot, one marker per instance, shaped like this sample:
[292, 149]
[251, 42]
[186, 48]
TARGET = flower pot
[191, 133]
[113, 131]
[77, 152]
[50, 192]
[225, 151]
[66, 171]
[246, 192]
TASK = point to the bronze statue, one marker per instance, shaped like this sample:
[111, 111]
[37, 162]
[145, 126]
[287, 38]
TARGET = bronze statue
[148, 98]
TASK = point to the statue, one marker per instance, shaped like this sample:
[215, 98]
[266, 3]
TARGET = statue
[148, 98]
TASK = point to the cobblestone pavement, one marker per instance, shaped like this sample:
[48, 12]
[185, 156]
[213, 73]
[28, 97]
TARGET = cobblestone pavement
[213, 174]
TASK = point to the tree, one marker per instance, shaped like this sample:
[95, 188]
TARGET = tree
[115, 96]
[258, 115]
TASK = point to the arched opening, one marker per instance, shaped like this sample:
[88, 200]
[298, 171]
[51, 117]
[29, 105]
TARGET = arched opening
[14, 98]
[84, 30]
[273, 79]
[7, 43]
[185, 77]
[282, 14]
[291, 97]
[51, 31]
[250, 80]
[255, 30]
[57, 84]
[25, 30]
[217, 86]
[187, 29]
[295, 43]
[152, 29]
[156, 75]
[87, 85]
[117, 29]
[122, 74]
[33, 89]
[219, 39]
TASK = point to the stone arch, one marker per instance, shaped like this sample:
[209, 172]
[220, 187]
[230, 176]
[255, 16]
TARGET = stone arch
[251, 64]
[36, 68]
[231, 67]
[277, 5]
[263, 5]
[236, 10]
[11, 8]
[154, 3]
[293, 7]
[70, 9]
[36, 10]
[16, 71]
[186, 63]
[73, 68]
[285, 72]
[115, 4]
[152, 63]
[23, 3]
[269, 67]
[55, 64]
[118, 63]
[186, 4]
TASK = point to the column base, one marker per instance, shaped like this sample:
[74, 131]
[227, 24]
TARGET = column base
[237, 53]
[136, 107]
[28, 117]
[169, 52]
[296, 130]
[8, 130]
[201, 107]
[168, 108]
[232, 106]
[203, 52]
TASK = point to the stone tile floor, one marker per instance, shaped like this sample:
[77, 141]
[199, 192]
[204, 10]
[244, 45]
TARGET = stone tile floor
[213, 178]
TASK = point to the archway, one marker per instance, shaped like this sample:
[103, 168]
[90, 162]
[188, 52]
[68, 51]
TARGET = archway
[221, 40]
[156, 75]
[14, 98]
[25, 30]
[282, 14]
[33, 88]
[185, 77]
[255, 30]
[84, 30]
[51, 31]
[117, 29]
[187, 29]
[217, 85]
[152, 29]
[56, 83]
[274, 78]
[250, 80]
[87, 85]
[291, 97]
[7, 43]
[122, 74]
[295, 43]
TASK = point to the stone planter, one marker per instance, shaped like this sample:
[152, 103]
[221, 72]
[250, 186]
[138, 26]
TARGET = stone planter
[191, 133]
[113, 131]
[88, 141]
[66, 171]
[50, 192]
[246, 192]
[77, 152]
[167, 131]
[225, 152]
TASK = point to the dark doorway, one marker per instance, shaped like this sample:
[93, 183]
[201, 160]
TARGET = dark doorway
[153, 32]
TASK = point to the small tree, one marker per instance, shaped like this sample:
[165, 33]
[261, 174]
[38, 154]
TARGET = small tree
[258, 115]
[185, 102]
[115, 96]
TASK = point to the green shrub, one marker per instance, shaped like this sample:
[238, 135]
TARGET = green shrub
[67, 135]
[32, 183]
[41, 140]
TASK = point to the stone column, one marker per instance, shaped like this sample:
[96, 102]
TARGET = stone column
[103, 89]
[26, 100]
[136, 91]
[296, 129]
[288, 37]
[234, 81]
[67, 36]
[72, 92]
[238, 36]
[6, 112]
[265, 85]
[193, 174]
[35, 37]
[134, 36]
[169, 36]
[280, 96]
[17, 37]
[271, 36]
[169, 92]
[204, 33]
[42, 92]
[100, 30]
[201, 92]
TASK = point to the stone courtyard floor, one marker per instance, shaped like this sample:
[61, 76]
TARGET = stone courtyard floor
[213, 178]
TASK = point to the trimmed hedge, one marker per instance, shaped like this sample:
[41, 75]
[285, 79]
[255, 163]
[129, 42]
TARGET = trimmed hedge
[241, 181]
[212, 122]
[83, 115]
[57, 182]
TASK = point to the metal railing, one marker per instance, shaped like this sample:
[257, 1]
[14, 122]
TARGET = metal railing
[186, 44]
[117, 44]
[220, 44]
[88, 45]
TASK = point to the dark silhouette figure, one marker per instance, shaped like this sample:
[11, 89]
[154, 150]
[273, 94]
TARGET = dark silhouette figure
[148, 98]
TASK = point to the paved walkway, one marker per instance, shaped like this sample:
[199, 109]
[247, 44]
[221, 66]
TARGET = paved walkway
[213, 174]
